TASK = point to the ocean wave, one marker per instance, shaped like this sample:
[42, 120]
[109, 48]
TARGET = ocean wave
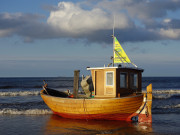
[7, 87]
[13, 87]
[161, 96]
[166, 91]
[166, 96]
[168, 107]
[21, 104]
[25, 112]
[20, 93]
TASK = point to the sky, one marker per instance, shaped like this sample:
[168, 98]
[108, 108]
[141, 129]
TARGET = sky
[52, 38]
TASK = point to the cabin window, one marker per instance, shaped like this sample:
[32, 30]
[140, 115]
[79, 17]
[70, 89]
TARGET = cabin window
[109, 78]
[123, 80]
[134, 81]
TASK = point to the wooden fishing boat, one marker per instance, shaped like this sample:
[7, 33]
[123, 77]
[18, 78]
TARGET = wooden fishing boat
[111, 93]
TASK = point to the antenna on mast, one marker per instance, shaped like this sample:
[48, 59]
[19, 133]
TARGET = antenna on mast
[113, 25]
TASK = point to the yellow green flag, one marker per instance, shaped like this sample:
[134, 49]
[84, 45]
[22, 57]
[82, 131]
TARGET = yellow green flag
[119, 54]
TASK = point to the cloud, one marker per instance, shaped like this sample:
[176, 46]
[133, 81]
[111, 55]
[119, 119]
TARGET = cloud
[92, 21]
[73, 19]
[172, 23]
[29, 26]
[6, 32]
[170, 33]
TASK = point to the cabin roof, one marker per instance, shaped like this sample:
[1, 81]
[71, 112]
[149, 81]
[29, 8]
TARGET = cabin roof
[130, 68]
[90, 68]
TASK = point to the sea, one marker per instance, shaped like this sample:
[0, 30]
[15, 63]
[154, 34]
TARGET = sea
[23, 112]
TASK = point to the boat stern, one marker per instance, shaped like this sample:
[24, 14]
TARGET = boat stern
[144, 113]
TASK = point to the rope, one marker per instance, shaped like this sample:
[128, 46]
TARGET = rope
[120, 57]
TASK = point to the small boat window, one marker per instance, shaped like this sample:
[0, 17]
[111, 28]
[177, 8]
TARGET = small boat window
[123, 80]
[109, 78]
[134, 81]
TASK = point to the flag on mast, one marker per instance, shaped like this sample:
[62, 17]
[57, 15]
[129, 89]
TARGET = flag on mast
[119, 54]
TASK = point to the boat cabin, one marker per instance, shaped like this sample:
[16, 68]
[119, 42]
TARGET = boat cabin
[116, 81]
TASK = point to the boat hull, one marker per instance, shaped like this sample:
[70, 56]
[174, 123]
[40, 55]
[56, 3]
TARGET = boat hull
[118, 116]
[105, 109]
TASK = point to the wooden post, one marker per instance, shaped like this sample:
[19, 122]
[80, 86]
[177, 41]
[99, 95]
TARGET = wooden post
[146, 115]
[76, 83]
[149, 98]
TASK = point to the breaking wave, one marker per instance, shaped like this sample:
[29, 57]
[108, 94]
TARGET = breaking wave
[166, 91]
[20, 93]
[165, 96]
[161, 96]
[25, 112]
[169, 106]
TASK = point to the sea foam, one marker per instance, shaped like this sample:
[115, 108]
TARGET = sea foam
[160, 96]
[25, 112]
[169, 106]
[20, 93]
[166, 91]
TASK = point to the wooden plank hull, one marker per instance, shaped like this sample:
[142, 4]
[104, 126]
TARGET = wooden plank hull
[118, 116]
[109, 109]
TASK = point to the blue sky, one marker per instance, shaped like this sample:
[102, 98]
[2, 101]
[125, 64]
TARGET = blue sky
[47, 38]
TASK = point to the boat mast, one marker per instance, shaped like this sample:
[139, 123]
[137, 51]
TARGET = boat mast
[113, 41]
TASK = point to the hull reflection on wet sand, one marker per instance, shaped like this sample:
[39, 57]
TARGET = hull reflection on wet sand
[59, 125]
